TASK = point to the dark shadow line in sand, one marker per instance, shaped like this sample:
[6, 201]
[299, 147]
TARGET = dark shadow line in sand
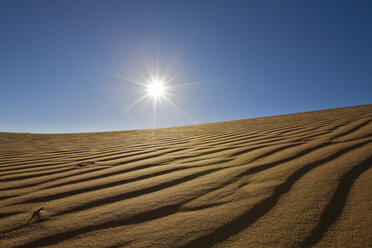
[139, 218]
[22, 225]
[122, 156]
[10, 179]
[138, 192]
[335, 207]
[298, 130]
[22, 186]
[148, 156]
[352, 129]
[149, 215]
[264, 206]
[135, 219]
[89, 178]
[98, 187]
[245, 151]
[7, 197]
[270, 141]
[122, 244]
[263, 167]
[250, 149]
[34, 166]
[37, 170]
[112, 184]
[118, 172]
[162, 186]
[36, 163]
[214, 151]
[279, 149]
[3, 215]
[248, 172]
[325, 132]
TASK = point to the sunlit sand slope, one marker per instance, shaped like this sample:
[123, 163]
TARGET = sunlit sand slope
[297, 180]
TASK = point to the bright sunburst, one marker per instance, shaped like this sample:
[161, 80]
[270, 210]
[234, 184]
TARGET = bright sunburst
[158, 86]
[156, 89]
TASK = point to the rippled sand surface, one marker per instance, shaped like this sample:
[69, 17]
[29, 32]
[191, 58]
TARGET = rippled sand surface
[298, 180]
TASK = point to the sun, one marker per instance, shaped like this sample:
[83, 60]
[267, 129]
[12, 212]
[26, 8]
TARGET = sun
[156, 89]
[159, 85]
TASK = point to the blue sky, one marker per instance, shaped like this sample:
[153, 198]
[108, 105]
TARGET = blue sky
[259, 58]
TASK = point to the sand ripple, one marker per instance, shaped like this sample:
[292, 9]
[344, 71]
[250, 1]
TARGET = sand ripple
[297, 180]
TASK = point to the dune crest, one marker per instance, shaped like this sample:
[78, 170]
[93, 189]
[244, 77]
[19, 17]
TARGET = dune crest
[298, 180]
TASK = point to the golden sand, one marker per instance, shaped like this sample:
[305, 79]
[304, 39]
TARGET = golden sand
[298, 180]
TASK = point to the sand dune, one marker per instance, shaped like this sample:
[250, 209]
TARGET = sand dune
[298, 180]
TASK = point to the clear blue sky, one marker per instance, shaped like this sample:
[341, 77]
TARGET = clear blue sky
[261, 58]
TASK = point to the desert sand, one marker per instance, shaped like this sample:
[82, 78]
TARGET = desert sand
[297, 180]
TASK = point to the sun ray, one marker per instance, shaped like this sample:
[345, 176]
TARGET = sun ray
[154, 117]
[159, 84]
[126, 79]
[172, 94]
[165, 74]
[149, 71]
[179, 109]
[135, 103]
[138, 74]
[190, 83]
[173, 77]
[153, 125]
[157, 66]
